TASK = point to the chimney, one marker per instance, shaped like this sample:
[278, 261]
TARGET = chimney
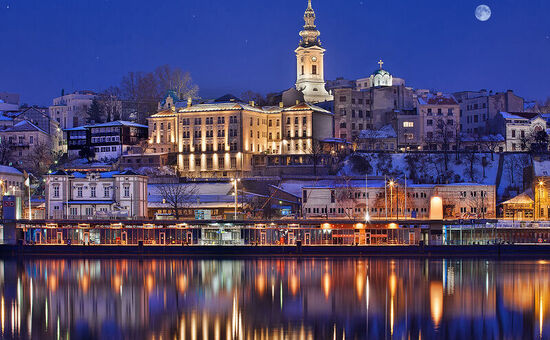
[251, 103]
[189, 102]
[281, 105]
[297, 102]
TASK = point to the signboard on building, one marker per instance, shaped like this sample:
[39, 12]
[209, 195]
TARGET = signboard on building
[11, 208]
[203, 214]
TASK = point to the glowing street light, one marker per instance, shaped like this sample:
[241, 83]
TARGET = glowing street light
[235, 182]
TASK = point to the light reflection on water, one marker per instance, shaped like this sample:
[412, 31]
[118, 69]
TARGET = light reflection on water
[274, 299]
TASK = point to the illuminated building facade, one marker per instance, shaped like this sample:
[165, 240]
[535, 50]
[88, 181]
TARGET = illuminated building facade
[222, 139]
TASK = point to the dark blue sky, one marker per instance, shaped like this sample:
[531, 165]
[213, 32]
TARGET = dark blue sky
[235, 45]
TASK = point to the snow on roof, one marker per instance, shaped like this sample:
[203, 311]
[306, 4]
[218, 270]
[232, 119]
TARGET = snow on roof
[117, 123]
[523, 198]
[443, 99]
[3, 117]
[384, 132]
[24, 126]
[237, 106]
[9, 170]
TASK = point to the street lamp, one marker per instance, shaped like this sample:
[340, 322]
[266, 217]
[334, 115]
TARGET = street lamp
[235, 181]
[541, 183]
[392, 183]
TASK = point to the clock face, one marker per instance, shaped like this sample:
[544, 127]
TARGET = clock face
[313, 58]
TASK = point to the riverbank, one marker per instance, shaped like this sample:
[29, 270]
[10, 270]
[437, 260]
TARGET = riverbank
[119, 251]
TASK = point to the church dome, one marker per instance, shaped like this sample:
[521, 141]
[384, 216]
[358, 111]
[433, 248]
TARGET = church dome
[381, 77]
[381, 72]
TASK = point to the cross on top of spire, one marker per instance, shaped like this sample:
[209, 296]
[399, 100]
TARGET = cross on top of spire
[381, 63]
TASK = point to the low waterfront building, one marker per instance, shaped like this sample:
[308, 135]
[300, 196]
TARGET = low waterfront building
[96, 195]
[346, 198]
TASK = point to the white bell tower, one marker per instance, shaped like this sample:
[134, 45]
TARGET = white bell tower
[310, 79]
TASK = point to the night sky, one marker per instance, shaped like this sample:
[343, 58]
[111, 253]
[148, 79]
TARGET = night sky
[233, 45]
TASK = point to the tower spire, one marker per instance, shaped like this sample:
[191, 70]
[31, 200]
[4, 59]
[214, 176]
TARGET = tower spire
[310, 34]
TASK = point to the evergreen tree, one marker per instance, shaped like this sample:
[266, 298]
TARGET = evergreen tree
[95, 114]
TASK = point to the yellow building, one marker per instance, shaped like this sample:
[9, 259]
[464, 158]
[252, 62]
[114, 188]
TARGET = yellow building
[222, 139]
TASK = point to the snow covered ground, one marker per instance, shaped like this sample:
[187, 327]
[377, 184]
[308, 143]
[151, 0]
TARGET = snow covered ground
[431, 168]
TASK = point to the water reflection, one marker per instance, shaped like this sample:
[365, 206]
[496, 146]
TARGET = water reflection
[274, 299]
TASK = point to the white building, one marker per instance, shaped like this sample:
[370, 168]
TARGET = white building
[347, 199]
[11, 181]
[96, 195]
[310, 68]
[71, 110]
[518, 128]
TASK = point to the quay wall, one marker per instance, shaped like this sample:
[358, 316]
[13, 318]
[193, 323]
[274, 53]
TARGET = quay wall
[527, 251]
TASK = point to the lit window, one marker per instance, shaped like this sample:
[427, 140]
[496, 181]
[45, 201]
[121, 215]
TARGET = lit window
[408, 124]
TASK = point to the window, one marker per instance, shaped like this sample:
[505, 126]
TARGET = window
[56, 191]
[429, 122]
[332, 196]
[408, 124]
[126, 191]
[221, 163]
[106, 192]
[313, 69]
[79, 192]
[92, 192]
[450, 112]
[31, 139]
[304, 196]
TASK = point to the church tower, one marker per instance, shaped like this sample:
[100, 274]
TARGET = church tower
[310, 78]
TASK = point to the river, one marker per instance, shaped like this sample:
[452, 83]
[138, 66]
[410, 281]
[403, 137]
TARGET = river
[274, 299]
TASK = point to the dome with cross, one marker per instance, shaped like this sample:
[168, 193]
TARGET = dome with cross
[381, 77]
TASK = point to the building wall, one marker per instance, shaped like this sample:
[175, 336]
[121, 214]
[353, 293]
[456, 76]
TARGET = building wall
[410, 134]
[222, 142]
[459, 201]
[70, 111]
[11, 183]
[23, 143]
[435, 135]
[128, 192]
[371, 108]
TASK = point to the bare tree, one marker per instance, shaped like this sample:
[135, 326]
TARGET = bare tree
[316, 154]
[471, 160]
[492, 143]
[110, 103]
[178, 196]
[174, 78]
[444, 135]
[345, 196]
[39, 159]
[251, 96]
[6, 149]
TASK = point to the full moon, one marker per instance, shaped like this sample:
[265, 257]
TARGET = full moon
[483, 13]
